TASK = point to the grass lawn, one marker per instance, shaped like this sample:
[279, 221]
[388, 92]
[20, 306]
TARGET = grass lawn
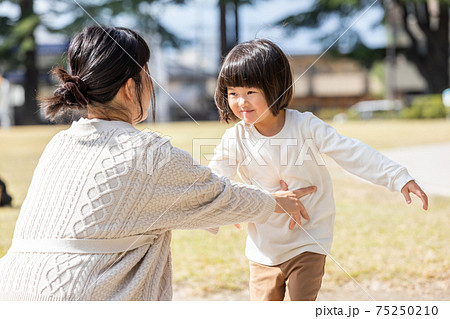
[377, 236]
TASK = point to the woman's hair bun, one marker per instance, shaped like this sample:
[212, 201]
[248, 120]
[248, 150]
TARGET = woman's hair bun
[73, 85]
[70, 95]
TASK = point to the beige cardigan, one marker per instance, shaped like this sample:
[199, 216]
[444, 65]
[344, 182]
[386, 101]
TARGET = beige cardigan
[99, 186]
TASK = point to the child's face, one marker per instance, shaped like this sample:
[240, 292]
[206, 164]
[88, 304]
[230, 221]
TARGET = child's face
[249, 104]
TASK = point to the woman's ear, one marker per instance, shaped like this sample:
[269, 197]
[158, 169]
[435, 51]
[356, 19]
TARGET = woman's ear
[129, 89]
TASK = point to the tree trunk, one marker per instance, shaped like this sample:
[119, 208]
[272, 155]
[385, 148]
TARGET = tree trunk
[30, 110]
[223, 29]
[236, 22]
[433, 64]
[228, 38]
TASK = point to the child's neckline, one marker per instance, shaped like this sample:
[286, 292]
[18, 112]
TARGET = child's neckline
[280, 132]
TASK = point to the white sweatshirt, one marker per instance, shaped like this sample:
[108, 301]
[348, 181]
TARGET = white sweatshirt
[294, 155]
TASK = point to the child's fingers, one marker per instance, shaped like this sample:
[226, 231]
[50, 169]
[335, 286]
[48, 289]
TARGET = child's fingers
[405, 192]
[421, 194]
[412, 187]
[238, 226]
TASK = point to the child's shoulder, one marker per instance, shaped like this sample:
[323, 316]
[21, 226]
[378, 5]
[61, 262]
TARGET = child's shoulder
[300, 117]
[236, 130]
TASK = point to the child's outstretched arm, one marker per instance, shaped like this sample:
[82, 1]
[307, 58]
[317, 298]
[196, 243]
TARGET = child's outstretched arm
[364, 161]
[412, 187]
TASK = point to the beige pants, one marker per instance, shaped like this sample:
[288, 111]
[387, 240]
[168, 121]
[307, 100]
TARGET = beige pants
[299, 278]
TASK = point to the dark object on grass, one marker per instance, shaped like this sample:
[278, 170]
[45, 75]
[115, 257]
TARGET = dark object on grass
[5, 198]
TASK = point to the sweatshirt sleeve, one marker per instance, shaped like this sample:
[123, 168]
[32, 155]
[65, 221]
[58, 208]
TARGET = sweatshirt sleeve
[189, 196]
[224, 162]
[357, 157]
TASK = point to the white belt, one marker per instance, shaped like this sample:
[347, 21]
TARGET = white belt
[80, 246]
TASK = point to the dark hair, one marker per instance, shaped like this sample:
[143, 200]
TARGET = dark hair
[101, 60]
[258, 63]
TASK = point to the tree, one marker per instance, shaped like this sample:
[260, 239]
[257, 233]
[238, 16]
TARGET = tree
[18, 49]
[424, 23]
[229, 8]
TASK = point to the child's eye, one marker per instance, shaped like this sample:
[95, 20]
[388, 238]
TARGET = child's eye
[232, 93]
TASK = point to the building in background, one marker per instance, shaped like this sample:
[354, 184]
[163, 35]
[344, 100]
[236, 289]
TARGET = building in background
[191, 91]
[186, 88]
[332, 82]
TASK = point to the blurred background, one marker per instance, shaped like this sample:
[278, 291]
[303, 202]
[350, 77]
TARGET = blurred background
[343, 53]
[377, 69]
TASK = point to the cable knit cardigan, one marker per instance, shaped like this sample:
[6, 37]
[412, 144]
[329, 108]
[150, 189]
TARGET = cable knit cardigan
[98, 185]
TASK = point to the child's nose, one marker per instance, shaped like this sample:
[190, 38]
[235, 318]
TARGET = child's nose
[242, 101]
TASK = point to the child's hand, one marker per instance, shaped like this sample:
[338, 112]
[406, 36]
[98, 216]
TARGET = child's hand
[412, 187]
[238, 226]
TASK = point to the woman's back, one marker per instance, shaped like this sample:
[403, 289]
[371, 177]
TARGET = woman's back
[92, 182]
[86, 182]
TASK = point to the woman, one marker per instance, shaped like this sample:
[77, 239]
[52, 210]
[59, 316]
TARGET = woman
[96, 223]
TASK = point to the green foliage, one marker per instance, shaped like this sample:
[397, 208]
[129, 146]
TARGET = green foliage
[139, 14]
[322, 10]
[425, 107]
[17, 35]
[346, 12]
[69, 17]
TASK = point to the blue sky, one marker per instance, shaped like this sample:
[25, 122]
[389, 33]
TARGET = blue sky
[198, 21]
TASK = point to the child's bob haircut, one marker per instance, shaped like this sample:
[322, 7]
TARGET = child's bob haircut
[260, 64]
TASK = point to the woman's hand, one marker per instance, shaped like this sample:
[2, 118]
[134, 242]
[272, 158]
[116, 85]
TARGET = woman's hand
[288, 202]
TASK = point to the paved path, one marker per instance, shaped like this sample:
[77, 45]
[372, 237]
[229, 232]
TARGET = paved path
[429, 164]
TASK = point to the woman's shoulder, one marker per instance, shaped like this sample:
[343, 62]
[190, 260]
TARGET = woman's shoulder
[148, 140]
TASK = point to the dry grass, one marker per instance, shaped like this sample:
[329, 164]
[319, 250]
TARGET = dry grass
[377, 236]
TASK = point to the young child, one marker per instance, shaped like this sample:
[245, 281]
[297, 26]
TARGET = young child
[273, 143]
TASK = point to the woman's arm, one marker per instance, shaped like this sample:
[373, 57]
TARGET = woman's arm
[188, 195]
